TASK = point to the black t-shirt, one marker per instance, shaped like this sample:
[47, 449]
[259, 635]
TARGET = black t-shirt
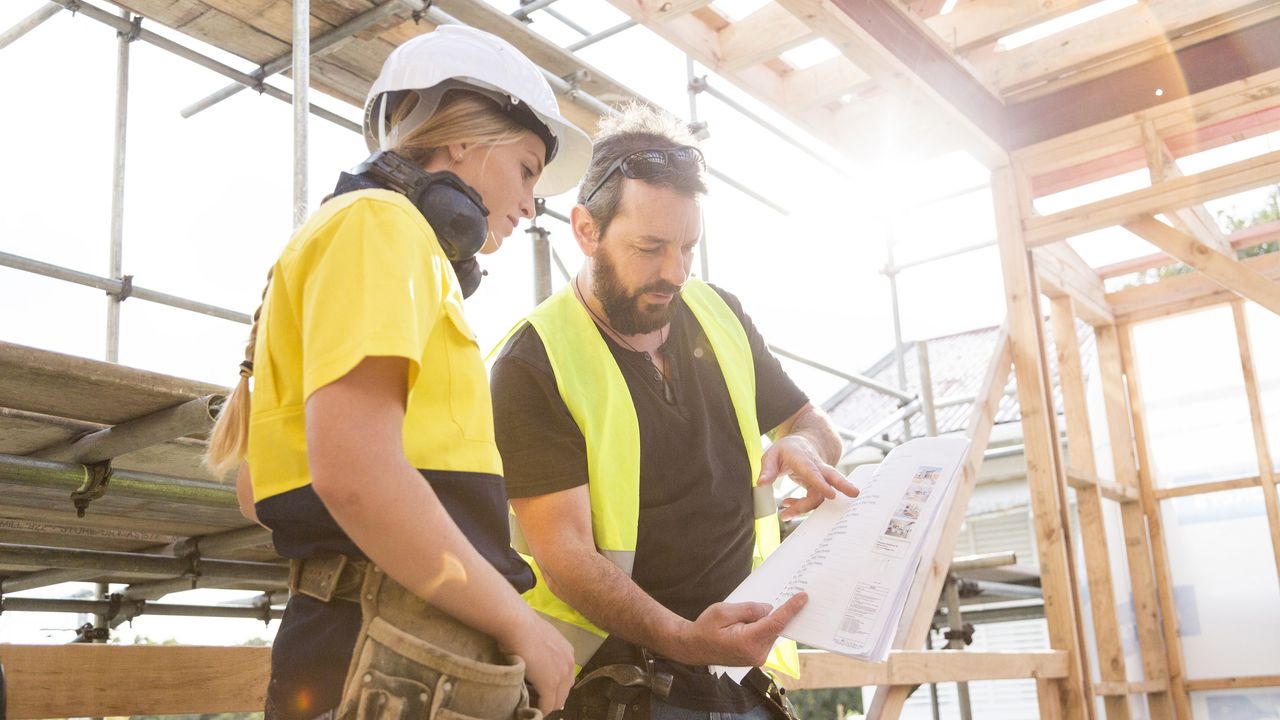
[696, 533]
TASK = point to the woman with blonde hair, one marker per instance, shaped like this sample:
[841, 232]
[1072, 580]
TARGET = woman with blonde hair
[368, 446]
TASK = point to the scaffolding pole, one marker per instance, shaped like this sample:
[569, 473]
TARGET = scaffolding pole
[106, 562]
[602, 35]
[116, 257]
[203, 61]
[541, 262]
[29, 23]
[862, 380]
[301, 91]
[117, 287]
[700, 85]
[129, 609]
[32, 473]
[529, 7]
[325, 43]
[204, 545]
[188, 418]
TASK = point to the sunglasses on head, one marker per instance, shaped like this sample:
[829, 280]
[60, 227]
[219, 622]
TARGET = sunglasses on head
[651, 163]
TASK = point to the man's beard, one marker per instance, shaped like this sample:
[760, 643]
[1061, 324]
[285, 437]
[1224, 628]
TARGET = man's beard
[623, 309]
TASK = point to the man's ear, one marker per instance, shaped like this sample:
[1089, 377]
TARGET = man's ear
[585, 230]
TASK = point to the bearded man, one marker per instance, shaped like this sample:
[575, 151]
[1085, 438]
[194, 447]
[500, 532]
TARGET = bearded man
[629, 412]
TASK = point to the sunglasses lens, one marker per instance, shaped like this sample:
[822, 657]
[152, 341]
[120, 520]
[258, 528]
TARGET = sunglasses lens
[650, 163]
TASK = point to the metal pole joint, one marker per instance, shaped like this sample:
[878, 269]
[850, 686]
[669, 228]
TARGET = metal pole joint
[135, 28]
[97, 475]
[125, 291]
[698, 84]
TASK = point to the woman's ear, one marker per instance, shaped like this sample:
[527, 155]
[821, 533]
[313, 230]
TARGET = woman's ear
[454, 152]
[585, 230]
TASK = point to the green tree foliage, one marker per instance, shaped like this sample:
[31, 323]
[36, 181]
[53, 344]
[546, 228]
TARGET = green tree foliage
[1268, 213]
[829, 704]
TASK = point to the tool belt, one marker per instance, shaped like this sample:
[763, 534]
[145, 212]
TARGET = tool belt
[623, 691]
[411, 661]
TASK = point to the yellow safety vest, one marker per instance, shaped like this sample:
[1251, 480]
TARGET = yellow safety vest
[597, 396]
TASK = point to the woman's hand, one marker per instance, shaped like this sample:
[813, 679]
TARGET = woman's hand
[548, 658]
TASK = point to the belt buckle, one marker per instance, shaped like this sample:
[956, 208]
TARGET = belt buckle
[318, 577]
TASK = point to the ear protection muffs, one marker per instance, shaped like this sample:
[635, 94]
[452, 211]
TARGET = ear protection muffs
[452, 208]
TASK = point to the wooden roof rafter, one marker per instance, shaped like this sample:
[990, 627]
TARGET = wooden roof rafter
[1143, 32]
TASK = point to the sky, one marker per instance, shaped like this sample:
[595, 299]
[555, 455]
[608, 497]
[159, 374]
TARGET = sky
[208, 208]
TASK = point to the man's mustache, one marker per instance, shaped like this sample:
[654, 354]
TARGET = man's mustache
[661, 287]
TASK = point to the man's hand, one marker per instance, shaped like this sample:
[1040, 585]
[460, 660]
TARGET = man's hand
[796, 456]
[736, 634]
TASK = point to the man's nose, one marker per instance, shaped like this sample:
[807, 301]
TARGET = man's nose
[675, 269]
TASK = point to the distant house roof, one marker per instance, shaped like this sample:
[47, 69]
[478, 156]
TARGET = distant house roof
[957, 365]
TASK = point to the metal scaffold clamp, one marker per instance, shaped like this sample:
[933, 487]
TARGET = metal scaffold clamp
[87, 633]
[263, 603]
[98, 475]
[126, 289]
[134, 32]
[189, 550]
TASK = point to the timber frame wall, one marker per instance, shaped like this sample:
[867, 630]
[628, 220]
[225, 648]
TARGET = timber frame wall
[50, 681]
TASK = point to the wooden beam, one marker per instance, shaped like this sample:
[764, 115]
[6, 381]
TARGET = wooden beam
[1128, 688]
[1179, 192]
[1120, 343]
[1063, 273]
[1266, 474]
[930, 577]
[764, 34]
[1194, 220]
[1239, 239]
[1040, 440]
[913, 667]
[1203, 488]
[658, 11]
[1106, 627]
[1226, 271]
[1211, 118]
[824, 82]
[1183, 293]
[1143, 587]
[1189, 70]
[1234, 683]
[984, 21]
[1109, 490]
[902, 55]
[82, 680]
[1126, 32]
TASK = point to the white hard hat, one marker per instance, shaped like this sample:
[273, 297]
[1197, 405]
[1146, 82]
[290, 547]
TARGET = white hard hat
[457, 56]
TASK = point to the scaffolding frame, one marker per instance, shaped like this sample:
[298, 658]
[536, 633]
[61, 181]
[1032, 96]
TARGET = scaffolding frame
[1035, 261]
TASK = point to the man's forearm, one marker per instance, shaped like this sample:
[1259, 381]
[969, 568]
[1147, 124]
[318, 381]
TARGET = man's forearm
[608, 597]
[815, 426]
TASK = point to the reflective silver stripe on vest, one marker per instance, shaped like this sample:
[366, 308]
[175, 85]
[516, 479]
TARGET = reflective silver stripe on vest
[517, 536]
[762, 500]
[625, 560]
[584, 642]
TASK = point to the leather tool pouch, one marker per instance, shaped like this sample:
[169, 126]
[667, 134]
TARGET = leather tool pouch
[413, 662]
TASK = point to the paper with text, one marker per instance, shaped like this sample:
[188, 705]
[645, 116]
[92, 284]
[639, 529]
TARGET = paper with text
[856, 557]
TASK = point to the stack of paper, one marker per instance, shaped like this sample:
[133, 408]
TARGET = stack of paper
[856, 557]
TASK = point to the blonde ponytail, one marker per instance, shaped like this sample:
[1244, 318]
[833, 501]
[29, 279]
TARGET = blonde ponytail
[230, 437]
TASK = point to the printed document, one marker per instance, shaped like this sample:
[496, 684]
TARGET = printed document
[856, 557]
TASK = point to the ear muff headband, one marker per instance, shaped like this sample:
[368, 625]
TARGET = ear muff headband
[454, 209]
